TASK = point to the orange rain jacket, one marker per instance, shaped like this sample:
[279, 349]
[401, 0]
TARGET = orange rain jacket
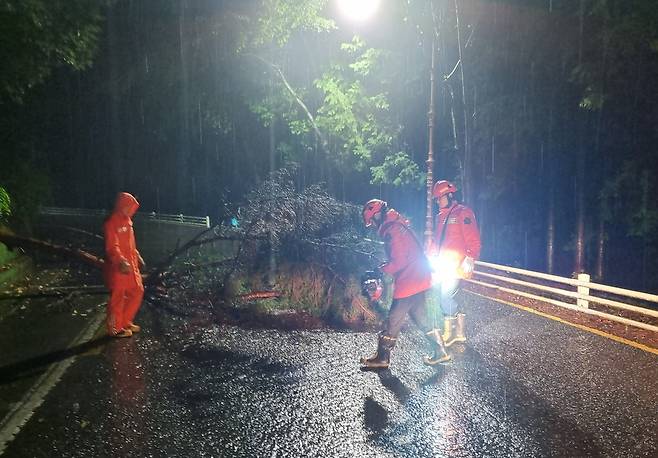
[461, 234]
[406, 261]
[120, 245]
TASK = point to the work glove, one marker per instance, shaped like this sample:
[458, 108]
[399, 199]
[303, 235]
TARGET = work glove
[124, 267]
[467, 267]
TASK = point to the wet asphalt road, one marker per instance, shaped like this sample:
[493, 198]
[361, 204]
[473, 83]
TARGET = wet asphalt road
[522, 386]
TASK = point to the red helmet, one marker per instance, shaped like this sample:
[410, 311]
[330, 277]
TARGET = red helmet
[370, 209]
[441, 188]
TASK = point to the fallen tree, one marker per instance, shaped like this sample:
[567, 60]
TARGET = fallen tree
[302, 246]
[12, 240]
[295, 250]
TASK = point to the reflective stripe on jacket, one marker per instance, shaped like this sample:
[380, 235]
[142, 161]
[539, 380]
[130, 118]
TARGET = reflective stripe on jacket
[462, 234]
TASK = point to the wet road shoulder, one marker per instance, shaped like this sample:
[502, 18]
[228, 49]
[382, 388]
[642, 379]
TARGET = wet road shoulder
[522, 385]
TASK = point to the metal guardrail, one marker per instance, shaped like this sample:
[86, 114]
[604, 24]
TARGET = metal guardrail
[581, 294]
[202, 221]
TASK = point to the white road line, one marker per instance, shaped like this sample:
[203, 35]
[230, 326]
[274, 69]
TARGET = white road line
[19, 415]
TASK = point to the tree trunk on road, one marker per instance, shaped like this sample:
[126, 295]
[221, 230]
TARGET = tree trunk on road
[12, 240]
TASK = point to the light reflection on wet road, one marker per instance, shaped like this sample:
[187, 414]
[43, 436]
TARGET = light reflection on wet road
[522, 386]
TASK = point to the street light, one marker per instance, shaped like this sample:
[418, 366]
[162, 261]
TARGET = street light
[358, 10]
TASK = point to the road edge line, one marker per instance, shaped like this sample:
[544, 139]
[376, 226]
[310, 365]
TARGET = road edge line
[18, 417]
[575, 325]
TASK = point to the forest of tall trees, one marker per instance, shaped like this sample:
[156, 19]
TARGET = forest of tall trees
[546, 113]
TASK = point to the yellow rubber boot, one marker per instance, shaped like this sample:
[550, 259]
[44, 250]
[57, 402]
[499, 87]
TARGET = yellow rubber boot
[460, 328]
[449, 323]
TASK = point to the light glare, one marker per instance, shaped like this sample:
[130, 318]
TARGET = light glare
[358, 10]
[444, 267]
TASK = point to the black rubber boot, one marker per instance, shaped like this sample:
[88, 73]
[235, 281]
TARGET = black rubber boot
[382, 358]
[440, 356]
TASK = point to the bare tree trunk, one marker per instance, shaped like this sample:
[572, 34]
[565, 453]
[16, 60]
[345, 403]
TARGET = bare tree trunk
[600, 251]
[467, 185]
[645, 238]
[12, 240]
[550, 233]
[550, 207]
[183, 152]
[272, 258]
[117, 167]
[579, 258]
[277, 70]
[601, 235]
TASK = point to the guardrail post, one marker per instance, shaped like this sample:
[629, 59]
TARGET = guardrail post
[207, 221]
[583, 290]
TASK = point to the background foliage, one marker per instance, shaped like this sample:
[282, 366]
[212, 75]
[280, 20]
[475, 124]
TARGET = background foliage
[541, 105]
[5, 203]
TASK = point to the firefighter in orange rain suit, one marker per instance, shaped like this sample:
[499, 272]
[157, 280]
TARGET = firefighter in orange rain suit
[122, 263]
[411, 273]
[456, 242]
